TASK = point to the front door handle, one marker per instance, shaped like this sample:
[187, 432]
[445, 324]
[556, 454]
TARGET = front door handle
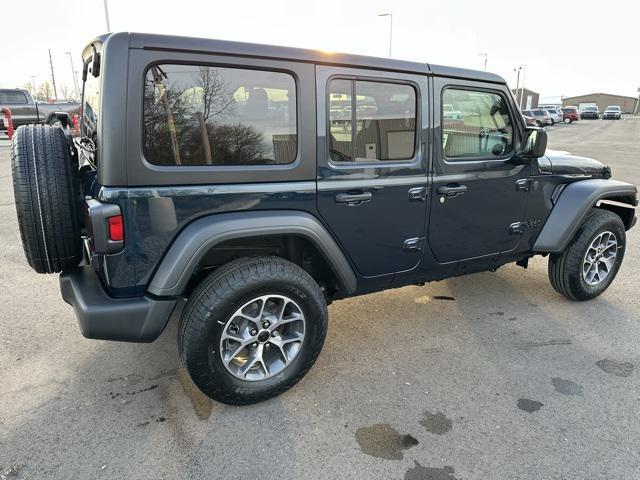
[354, 198]
[452, 190]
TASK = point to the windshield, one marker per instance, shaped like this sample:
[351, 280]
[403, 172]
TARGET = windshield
[538, 113]
[615, 109]
[590, 109]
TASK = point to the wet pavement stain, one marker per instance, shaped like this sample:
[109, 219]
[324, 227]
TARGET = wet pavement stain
[382, 441]
[436, 423]
[566, 387]
[619, 369]
[128, 394]
[530, 406]
[418, 472]
[496, 314]
[429, 298]
[201, 403]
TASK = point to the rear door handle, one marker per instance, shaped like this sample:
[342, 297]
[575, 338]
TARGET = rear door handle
[354, 198]
[452, 190]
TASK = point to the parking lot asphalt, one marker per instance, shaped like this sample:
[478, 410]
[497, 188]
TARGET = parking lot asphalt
[489, 376]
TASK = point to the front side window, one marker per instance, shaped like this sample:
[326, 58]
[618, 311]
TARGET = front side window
[482, 129]
[371, 121]
[206, 115]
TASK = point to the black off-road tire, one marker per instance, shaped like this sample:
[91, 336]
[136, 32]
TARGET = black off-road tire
[215, 300]
[565, 269]
[46, 187]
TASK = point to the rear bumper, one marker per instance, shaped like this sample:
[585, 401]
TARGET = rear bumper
[139, 319]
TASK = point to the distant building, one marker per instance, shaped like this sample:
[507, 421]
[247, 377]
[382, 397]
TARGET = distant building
[525, 98]
[603, 100]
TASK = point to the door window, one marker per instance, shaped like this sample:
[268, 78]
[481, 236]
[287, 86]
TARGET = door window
[371, 121]
[475, 124]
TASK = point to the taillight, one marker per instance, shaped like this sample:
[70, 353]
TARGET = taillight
[116, 228]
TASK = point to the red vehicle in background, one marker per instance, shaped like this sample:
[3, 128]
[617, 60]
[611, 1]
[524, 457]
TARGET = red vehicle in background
[570, 114]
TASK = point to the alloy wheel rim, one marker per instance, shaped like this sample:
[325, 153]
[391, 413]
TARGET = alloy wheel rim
[262, 337]
[600, 258]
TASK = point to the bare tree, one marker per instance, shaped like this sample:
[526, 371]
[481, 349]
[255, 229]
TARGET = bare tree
[215, 95]
[45, 90]
[67, 93]
[29, 88]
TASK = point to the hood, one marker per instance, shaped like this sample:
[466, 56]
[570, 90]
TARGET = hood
[562, 163]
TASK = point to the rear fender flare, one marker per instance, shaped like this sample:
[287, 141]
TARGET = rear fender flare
[197, 238]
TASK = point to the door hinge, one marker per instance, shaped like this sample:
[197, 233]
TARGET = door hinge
[418, 193]
[523, 184]
[413, 244]
[517, 228]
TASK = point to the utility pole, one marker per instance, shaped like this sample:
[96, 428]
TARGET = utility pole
[390, 15]
[53, 77]
[106, 15]
[485, 55]
[73, 76]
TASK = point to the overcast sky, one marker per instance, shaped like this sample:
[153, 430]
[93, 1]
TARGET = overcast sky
[570, 47]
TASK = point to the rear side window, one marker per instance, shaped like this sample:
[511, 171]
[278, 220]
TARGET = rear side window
[483, 128]
[371, 121]
[208, 115]
[12, 97]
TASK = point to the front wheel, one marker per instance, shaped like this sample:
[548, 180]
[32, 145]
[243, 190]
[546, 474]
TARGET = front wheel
[591, 261]
[252, 329]
[566, 120]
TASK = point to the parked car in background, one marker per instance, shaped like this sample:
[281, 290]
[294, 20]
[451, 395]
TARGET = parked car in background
[541, 116]
[570, 114]
[612, 111]
[555, 114]
[529, 120]
[590, 112]
[25, 111]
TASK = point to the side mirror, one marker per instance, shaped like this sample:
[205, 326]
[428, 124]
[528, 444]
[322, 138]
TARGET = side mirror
[535, 142]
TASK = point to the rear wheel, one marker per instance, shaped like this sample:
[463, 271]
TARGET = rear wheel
[566, 120]
[252, 329]
[591, 261]
[46, 186]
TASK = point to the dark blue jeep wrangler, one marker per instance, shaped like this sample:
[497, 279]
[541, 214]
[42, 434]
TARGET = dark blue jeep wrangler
[260, 183]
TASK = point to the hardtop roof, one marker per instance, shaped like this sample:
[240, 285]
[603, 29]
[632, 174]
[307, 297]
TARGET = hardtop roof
[225, 47]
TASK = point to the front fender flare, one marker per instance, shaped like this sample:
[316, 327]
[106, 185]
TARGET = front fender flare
[190, 246]
[573, 205]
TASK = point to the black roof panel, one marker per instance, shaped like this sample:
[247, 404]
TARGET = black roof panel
[225, 47]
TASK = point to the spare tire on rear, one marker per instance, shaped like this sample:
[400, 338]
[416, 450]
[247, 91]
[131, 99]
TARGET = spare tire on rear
[46, 186]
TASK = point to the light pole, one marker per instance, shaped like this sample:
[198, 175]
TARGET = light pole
[524, 74]
[73, 75]
[486, 56]
[106, 15]
[390, 15]
[517, 95]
